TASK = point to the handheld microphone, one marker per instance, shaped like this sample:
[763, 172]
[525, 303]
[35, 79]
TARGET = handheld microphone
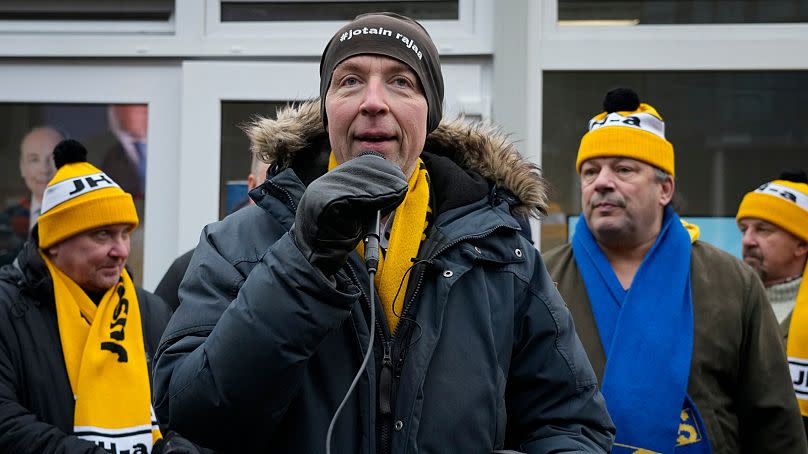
[373, 235]
[372, 245]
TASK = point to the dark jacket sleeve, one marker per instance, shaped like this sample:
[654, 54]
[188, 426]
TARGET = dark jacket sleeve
[20, 430]
[768, 413]
[553, 400]
[168, 288]
[241, 337]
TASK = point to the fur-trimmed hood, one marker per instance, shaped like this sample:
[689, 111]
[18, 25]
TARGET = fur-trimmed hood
[479, 147]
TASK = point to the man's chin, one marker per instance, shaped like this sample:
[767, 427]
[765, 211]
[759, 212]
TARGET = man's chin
[753, 262]
[608, 225]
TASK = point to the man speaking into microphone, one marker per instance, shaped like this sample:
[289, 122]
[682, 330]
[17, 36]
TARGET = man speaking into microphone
[473, 348]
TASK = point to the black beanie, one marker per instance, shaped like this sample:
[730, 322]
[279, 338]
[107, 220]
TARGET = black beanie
[394, 36]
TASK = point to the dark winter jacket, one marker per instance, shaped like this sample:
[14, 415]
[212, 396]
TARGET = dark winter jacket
[739, 377]
[36, 401]
[263, 348]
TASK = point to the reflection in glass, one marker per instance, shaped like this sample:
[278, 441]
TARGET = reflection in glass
[258, 11]
[632, 12]
[731, 131]
[115, 137]
[239, 171]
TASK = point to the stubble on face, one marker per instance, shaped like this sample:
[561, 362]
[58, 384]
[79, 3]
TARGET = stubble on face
[622, 201]
[754, 258]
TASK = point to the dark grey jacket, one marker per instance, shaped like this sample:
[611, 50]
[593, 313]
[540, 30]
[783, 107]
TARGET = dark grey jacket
[262, 348]
[36, 402]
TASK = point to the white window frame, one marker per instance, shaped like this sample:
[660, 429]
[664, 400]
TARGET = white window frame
[553, 47]
[197, 31]
[157, 85]
[667, 47]
[470, 34]
[205, 86]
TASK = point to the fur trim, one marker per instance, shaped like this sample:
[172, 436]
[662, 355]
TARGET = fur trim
[480, 147]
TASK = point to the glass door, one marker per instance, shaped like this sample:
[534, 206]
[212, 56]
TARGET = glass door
[126, 116]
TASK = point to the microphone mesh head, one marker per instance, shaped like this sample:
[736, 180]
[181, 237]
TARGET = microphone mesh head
[370, 153]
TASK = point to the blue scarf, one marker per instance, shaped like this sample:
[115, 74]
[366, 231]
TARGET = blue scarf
[647, 334]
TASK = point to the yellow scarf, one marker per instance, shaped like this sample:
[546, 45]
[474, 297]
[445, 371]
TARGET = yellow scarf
[106, 363]
[797, 345]
[409, 229]
[692, 230]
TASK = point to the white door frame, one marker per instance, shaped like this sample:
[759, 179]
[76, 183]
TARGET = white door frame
[93, 82]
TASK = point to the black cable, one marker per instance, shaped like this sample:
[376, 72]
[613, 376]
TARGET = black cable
[361, 368]
[372, 263]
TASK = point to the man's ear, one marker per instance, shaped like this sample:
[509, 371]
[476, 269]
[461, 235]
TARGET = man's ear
[802, 249]
[252, 182]
[53, 251]
[666, 194]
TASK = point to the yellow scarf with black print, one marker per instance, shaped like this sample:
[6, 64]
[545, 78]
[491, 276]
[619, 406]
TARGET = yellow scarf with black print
[106, 363]
[409, 229]
[797, 345]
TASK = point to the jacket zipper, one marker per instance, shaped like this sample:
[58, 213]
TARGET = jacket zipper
[289, 198]
[390, 371]
[385, 386]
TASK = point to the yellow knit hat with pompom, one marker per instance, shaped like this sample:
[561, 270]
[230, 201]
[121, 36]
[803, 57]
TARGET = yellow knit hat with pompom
[782, 202]
[627, 128]
[80, 197]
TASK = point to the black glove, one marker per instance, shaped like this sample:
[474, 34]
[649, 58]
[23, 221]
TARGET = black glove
[337, 208]
[174, 443]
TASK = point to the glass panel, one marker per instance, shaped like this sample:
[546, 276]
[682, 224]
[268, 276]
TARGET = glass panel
[632, 12]
[335, 10]
[86, 10]
[731, 132]
[115, 137]
[237, 166]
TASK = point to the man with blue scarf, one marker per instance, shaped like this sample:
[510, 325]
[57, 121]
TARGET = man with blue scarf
[680, 334]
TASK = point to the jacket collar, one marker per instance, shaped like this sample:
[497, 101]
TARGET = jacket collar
[29, 273]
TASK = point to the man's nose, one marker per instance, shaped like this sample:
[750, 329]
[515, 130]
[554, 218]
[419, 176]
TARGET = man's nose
[374, 102]
[604, 180]
[748, 238]
[120, 247]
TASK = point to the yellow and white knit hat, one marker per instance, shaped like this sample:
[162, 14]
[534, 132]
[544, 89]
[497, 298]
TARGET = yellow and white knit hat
[627, 128]
[80, 197]
[782, 202]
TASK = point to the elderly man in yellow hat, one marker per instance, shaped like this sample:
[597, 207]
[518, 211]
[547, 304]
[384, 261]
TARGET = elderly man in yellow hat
[774, 222]
[76, 335]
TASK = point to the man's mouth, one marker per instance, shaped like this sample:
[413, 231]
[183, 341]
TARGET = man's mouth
[111, 267]
[607, 205]
[752, 255]
[374, 137]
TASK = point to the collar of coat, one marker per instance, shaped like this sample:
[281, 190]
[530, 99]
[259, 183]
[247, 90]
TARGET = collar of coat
[478, 147]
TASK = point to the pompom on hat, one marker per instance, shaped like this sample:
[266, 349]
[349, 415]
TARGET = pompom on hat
[80, 197]
[782, 202]
[627, 128]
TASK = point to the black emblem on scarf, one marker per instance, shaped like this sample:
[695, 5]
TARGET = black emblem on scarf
[117, 326]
